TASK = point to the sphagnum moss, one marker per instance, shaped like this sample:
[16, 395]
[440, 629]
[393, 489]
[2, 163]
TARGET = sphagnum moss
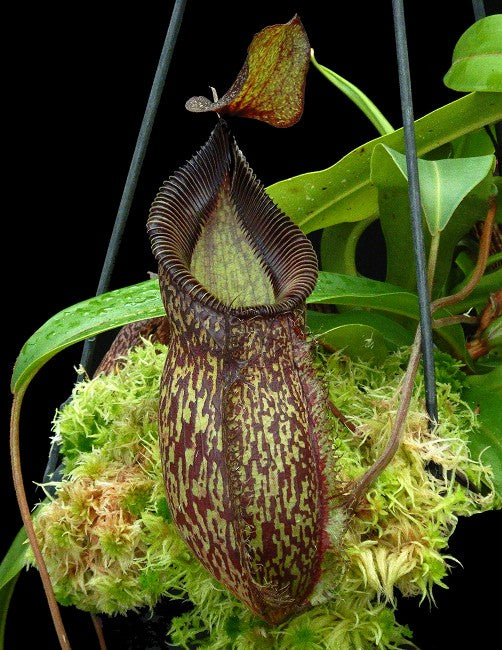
[110, 546]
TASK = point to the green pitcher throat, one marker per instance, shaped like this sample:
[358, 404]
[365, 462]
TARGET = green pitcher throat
[225, 260]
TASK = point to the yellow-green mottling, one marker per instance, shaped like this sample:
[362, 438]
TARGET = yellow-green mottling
[110, 549]
[233, 261]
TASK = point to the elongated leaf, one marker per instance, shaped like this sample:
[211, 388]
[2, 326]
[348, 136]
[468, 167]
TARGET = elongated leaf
[10, 568]
[489, 283]
[395, 222]
[338, 289]
[477, 58]
[477, 143]
[5, 595]
[338, 246]
[465, 263]
[485, 395]
[393, 334]
[493, 333]
[357, 341]
[140, 301]
[443, 183]
[271, 84]
[14, 559]
[344, 191]
[83, 320]
[114, 309]
[364, 103]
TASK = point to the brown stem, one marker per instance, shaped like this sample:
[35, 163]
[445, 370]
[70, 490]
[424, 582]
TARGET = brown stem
[454, 320]
[98, 626]
[368, 477]
[406, 391]
[17, 476]
[479, 269]
[340, 416]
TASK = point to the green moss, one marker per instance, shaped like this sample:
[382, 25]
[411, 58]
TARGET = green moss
[162, 509]
[137, 498]
[110, 546]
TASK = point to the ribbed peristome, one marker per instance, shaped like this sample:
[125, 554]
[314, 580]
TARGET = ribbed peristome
[184, 205]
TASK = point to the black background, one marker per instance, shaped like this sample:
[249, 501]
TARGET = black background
[81, 75]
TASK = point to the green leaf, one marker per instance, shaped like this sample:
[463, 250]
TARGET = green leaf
[15, 558]
[357, 341]
[338, 246]
[122, 306]
[465, 263]
[477, 58]
[364, 103]
[493, 333]
[271, 84]
[10, 568]
[477, 143]
[5, 595]
[478, 298]
[338, 289]
[395, 222]
[130, 304]
[443, 183]
[83, 320]
[393, 334]
[344, 191]
[496, 258]
[484, 393]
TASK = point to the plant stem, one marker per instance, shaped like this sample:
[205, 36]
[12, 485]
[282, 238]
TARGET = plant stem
[454, 320]
[340, 416]
[96, 621]
[479, 269]
[433, 258]
[406, 392]
[24, 509]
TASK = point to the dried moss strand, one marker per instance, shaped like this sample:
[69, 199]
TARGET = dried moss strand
[17, 476]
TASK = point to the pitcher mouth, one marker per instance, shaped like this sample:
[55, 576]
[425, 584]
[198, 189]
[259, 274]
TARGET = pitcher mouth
[219, 174]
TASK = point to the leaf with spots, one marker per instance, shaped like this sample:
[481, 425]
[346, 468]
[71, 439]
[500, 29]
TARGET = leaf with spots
[271, 84]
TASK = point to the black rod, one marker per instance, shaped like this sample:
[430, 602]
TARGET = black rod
[135, 166]
[416, 210]
[478, 6]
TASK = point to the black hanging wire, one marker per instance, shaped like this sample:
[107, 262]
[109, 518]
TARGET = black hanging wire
[478, 6]
[416, 211]
[87, 359]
